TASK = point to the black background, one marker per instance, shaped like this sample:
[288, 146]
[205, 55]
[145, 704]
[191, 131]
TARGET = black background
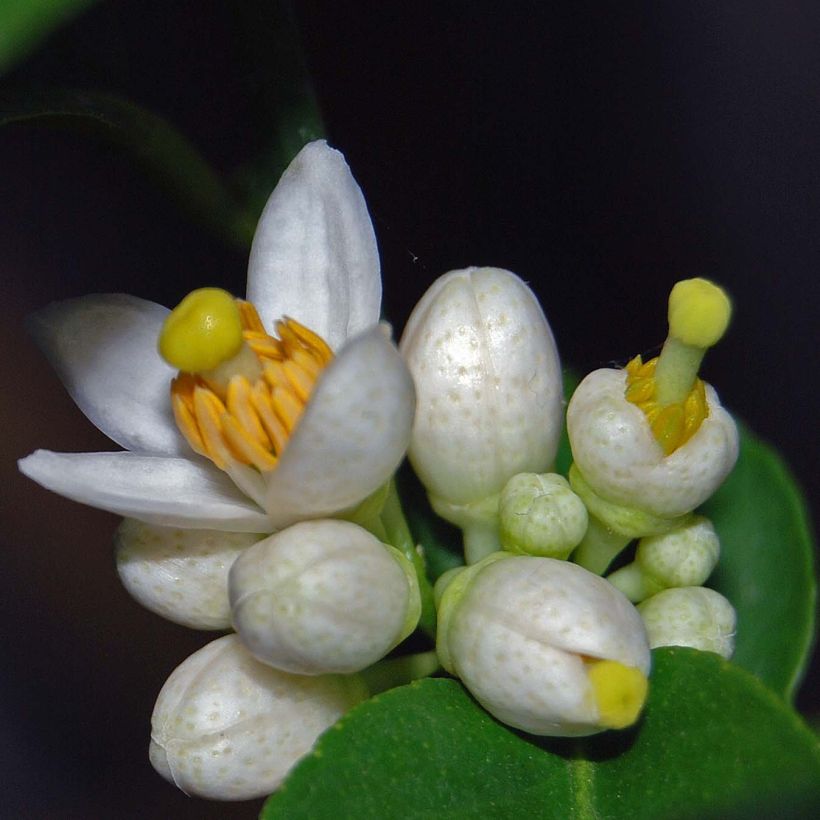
[601, 151]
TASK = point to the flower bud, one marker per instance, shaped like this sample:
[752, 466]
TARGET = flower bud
[544, 645]
[180, 574]
[621, 460]
[684, 557]
[690, 616]
[488, 384]
[226, 727]
[540, 515]
[323, 596]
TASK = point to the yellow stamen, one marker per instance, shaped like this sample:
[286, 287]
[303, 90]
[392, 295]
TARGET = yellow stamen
[619, 692]
[244, 408]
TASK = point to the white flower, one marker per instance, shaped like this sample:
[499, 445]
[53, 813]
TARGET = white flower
[489, 389]
[323, 596]
[226, 727]
[314, 258]
[544, 645]
[621, 460]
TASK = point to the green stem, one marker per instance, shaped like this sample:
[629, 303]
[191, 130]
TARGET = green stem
[393, 672]
[480, 540]
[634, 582]
[599, 546]
[398, 534]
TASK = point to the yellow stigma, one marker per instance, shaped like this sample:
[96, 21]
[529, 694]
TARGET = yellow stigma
[202, 331]
[699, 312]
[244, 409]
[619, 691]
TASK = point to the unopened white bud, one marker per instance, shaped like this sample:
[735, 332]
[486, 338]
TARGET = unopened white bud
[180, 574]
[488, 385]
[323, 596]
[227, 727]
[690, 616]
[684, 557]
[544, 645]
[540, 515]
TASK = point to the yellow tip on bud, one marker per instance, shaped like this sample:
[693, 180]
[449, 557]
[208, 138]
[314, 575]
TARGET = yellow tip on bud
[699, 312]
[620, 692]
[202, 331]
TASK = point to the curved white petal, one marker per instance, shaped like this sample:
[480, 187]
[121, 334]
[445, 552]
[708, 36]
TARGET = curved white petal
[314, 255]
[104, 349]
[352, 436]
[171, 492]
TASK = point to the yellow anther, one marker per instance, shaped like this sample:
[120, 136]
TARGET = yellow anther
[668, 426]
[699, 312]
[204, 330]
[244, 409]
[619, 691]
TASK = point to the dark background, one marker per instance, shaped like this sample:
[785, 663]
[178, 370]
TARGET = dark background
[599, 152]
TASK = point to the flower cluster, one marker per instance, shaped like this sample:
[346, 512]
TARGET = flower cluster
[260, 439]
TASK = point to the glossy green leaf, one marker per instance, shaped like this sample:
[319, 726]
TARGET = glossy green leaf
[163, 151]
[24, 23]
[766, 566]
[713, 742]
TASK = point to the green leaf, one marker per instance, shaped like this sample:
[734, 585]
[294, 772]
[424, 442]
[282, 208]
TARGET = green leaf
[713, 741]
[24, 23]
[163, 151]
[766, 565]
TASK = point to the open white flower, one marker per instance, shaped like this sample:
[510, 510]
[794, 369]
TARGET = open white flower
[314, 258]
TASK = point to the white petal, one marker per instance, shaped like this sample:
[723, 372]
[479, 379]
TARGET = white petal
[171, 492]
[352, 436]
[314, 254]
[104, 348]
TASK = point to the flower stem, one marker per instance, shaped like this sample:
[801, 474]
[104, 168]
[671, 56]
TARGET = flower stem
[634, 583]
[480, 540]
[398, 534]
[599, 546]
[392, 672]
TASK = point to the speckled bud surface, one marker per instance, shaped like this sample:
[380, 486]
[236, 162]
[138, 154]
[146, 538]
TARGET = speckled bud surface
[690, 616]
[180, 574]
[684, 557]
[226, 727]
[540, 515]
[614, 448]
[488, 384]
[517, 632]
[323, 596]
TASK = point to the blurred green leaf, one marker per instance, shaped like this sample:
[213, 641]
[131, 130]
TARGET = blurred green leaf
[766, 566]
[714, 742]
[174, 161]
[24, 23]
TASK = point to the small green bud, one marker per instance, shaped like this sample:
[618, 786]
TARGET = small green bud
[541, 515]
[690, 616]
[684, 557]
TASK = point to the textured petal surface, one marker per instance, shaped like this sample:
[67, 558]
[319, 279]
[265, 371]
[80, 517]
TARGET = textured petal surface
[614, 448]
[180, 574]
[227, 727]
[104, 349]
[314, 255]
[171, 492]
[320, 596]
[352, 436]
[488, 381]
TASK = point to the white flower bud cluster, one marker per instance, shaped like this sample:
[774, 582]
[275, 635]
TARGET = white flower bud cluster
[312, 605]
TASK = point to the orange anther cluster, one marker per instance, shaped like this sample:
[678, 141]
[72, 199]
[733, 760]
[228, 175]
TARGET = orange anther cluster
[672, 424]
[249, 419]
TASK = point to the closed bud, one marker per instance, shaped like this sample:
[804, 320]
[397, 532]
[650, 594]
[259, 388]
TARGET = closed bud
[544, 645]
[690, 616]
[226, 727]
[180, 574]
[323, 596]
[541, 515]
[488, 387]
